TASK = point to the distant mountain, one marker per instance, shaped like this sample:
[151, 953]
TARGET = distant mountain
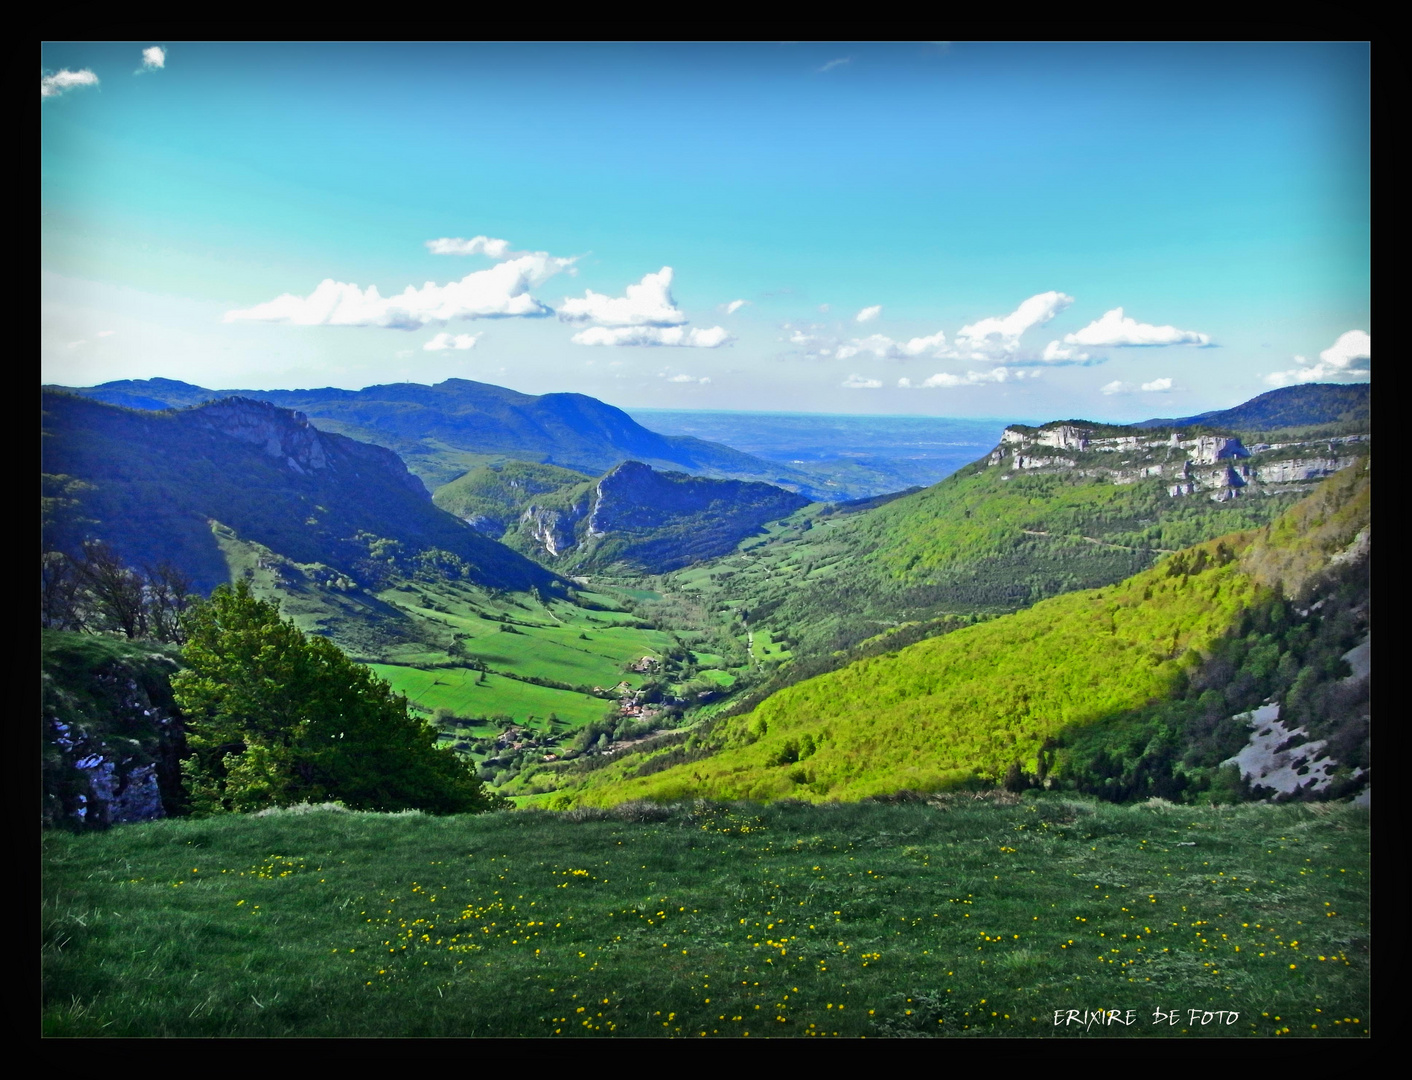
[434, 428]
[1309, 405]
[156, 486]
[652, 521]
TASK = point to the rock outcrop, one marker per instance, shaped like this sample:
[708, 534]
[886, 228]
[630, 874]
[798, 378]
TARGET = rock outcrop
[656, 520]
[287, 436]
[1220, 466]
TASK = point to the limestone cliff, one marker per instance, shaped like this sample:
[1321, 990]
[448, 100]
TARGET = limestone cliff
[1220, 466]
[654, 520]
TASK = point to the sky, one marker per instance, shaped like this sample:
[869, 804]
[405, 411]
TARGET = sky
[1112, 231]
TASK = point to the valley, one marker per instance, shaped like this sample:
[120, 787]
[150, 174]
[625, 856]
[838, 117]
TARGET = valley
[667, 607]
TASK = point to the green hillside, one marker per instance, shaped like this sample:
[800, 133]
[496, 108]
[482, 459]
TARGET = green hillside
[152, 484]
[1023, 524]
[491, 497]
[994, 698]
[1310, 405]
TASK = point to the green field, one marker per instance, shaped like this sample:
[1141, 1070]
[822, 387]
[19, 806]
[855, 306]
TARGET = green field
[955, 917]
[456, 689]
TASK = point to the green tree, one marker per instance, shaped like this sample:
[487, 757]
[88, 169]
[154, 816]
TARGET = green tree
[276, 718]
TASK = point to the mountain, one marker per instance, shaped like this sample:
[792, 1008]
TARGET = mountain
[1310, 405]
[491, 498]
[653, 522]
[442, 431]
[1151, 687]
[162, 486]
[1067, 505]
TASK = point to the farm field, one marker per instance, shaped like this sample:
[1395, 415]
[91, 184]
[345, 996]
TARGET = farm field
[956, 916]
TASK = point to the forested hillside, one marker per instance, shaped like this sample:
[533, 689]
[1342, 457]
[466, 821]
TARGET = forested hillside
[154, 485]
[1059, 693]
[1310, 405]
[1038, 517]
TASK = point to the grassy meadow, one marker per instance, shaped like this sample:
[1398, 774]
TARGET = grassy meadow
[955, 916]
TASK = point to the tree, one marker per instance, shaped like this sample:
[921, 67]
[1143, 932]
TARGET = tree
[118, 592]
[276, 718]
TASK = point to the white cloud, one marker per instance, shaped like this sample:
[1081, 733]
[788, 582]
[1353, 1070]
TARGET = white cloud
[502, 291]
[154, 58]
[56, 84]
[971, 378]
[858, 382]
[885, 348]
[1116, 331]
[646, 315]
[823, 309]
[687, 378]
[1117, 386]
[837, 63]
[1157, 386]
[1349, 359]
[648, 303]
[76, 344]
[735, 305]
[451, 341]
[998, 337]
[868, 314]
[690, 337]
[105, 333]
[1055, 353]
[476, 245]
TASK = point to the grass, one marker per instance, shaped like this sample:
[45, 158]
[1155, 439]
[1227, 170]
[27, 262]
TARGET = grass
[456, 689]
[955, 917]
[405, 630]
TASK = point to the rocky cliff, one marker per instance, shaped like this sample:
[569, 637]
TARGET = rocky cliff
[287, 437]
[112, 736]
[1219, 466]
[653, 520]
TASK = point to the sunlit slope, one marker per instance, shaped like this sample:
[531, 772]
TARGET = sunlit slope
[986, 699]
[976, 542]
[974, 701]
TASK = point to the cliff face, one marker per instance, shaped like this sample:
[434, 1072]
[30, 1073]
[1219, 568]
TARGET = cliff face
[555, 530]
[289, 438]
[112, 737]
[656, 521]
[1220, 466]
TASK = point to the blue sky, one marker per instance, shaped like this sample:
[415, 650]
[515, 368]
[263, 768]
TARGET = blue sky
[996, 203]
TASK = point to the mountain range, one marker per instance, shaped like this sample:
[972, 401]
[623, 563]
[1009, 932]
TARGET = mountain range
[441, 431]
